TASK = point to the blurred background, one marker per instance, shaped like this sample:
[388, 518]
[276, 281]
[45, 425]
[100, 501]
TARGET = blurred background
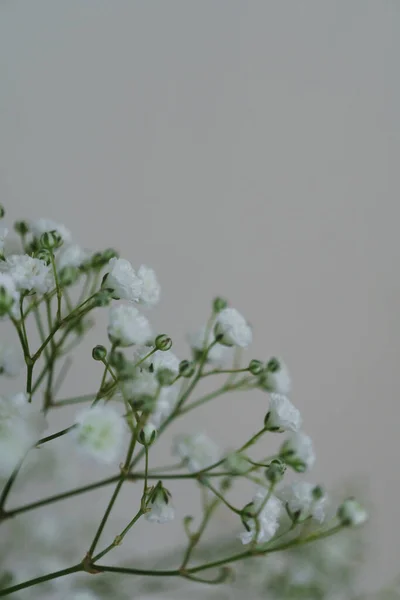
[247, 149]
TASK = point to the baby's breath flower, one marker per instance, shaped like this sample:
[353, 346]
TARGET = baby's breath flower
[30, 274]
[147, 434]
[126, 326]
[161, 509]
[268, 519]
[351, 513]
[3, 235]
[276, 377]
[164, 404]
[198, 451]
[9, 296]
[302, 502]
[11, 360]
[298, 452]
[100, 432]
[232, 328]
[150, 291]
[158, 360]
[282, 415]
[40, 226]
[71, 255]
[141, 388]
[218, 355]
[123, 280]
[21, 426]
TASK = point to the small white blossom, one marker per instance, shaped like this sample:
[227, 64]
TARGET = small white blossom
[40, 226]
[197, 451]
[268, 518]
[8, 286]
[11, 360]
[165, 404]
[3, 235]
[100, 432]
[21, 426]
[352, 513]
[298, 452]
[282, 415]
[161, 509]
[300, 499]
[123, 280]
[233, 328]
[218, 355]
[71, 255]
[30, 274]
[277, 378]
[143, 385]
[148, 434]
[127, 326]
[158, 360]
[150, 291]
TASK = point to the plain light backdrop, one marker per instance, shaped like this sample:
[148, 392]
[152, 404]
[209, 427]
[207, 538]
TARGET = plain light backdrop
[243, 148]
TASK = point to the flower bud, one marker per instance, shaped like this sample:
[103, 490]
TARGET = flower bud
[68, 276]
[44, 255]
[165, 377]
[163, 342]
[351, 514]
[219, 304]
[147, 434]
[247, 515]
[97, 260]
[50, 240]
[187, 368]
[99, 353]
[6, 301]
[117, 360]
[2, 211]
[273, 365]
[318, 493]
[21, 227]
[256, 367]
[275, 472]
[108, 254]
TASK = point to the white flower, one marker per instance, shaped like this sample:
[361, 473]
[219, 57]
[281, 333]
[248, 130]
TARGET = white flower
[161, 509]
[40, 226]
[71, 255]
[219, 355]
[282, 415]
[268, 519]
[298, 452]
[30, 274]
[11, 295]
[11, 360]
[21, 426]
[276, 378]
[198, 451]
[300, 499]
[233, 328]
[351, 513]
[158, 360]
[165, 404]
[148, 434]
[127, 326]
[142, 386]
[123, 280]
[150, 291]
[100, 432]
[3, 235]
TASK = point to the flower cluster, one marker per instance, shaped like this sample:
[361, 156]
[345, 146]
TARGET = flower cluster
[143, 388]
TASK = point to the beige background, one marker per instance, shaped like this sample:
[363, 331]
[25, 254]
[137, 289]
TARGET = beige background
[243, 148]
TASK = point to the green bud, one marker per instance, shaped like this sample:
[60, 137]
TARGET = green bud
[187, 368]
[273, 365]
[117, 360]
[2, 211]
[109, 253]
[147, 435]
[318, 493]
[247, 514]
[97, 260]
[6, 301]
[21, 227]
[68, 276]
[44, 255]
[351, 513]
[275, 472]
[256, 367]
[163, 342]
[219, 304]
[50, 240]
[165, 377]
[99, 353]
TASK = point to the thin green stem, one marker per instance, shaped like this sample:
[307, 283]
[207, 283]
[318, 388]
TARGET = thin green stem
[221, 497]
[195, 538]
[55, 435]
[42, 579]
[118, 539]
[222, 371]
[58, 287]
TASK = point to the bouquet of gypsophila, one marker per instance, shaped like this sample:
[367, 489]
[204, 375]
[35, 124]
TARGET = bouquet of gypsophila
[55, 285]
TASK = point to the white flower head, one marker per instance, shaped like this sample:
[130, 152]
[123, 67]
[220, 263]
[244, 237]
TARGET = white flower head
[197, 451]
[21, 426]
[218, 355]
[303, 501]
[40, 226]
[160, 505]
[3, 235]
[233, 328]
[351, 513]
[100, 432]
[276, 377]
[165, 403]
[268, 519]
[71, 255]
[127, 326]
[9, 295]
[11, 360]
[157, 361]
[30, 274]
[298, 452]
[150, 291]
[141, 387]
[123, 280]
[282, 415]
